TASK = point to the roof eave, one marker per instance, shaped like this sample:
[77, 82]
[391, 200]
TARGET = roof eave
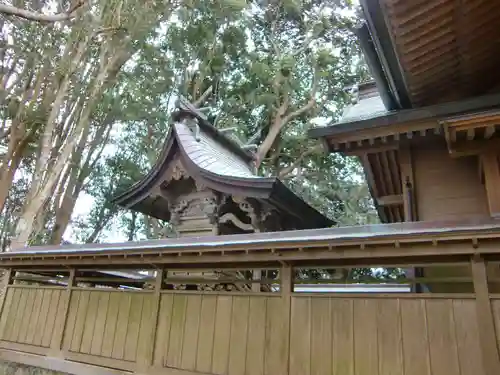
[140, 190]
[284, 197]
[438, 111]
[386, 52]
[373, 61]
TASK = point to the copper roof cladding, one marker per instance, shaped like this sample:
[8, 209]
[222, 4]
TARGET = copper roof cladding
[356, 245]
[219, 163]
[437, 50]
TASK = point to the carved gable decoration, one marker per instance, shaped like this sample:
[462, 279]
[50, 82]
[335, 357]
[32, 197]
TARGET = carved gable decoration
[176, 171]
[195, 206]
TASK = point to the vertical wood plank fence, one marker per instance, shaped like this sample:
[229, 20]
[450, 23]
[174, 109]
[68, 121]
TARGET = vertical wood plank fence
[225, 333]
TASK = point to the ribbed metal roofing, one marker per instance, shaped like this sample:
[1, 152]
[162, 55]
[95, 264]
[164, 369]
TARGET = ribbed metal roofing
[209, 154]
[365, 109]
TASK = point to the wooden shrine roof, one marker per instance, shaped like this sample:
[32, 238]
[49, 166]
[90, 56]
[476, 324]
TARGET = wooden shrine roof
[435, 51]
[218, 162]
[366, 116]
[429, 59]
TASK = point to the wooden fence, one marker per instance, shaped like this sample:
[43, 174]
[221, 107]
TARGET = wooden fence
[237, 333]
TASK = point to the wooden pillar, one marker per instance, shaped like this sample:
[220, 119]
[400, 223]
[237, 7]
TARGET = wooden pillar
[286, 289]
[256, 275]
[146, 350]
[408, 184]
[59, 327]
[485, 320]
[6, 280]
[491, 168]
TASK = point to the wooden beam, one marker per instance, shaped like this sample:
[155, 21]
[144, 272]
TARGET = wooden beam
[485, 319]
[476, 147]
[390, 200]
[489, 131]
[491, 169]
[370, 149]
[422, 250]
[471, 133]
[55, 364]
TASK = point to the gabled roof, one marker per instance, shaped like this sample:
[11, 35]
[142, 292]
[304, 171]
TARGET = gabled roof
[216, 161]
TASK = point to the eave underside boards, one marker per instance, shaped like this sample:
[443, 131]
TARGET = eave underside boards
[447, 49]
[383, 174]
[349, 245]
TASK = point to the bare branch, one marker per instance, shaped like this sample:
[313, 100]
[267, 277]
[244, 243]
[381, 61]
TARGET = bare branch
[285, 171]
[39, 17]
[309, 105]
[203, 97]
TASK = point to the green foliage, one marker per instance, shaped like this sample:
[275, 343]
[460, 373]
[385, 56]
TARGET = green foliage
[256, 55]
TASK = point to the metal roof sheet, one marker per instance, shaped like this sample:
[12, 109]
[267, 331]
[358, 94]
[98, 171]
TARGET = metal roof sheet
[365, 109]
[350, 233]
[210, 155]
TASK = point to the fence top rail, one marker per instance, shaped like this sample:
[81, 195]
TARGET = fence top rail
[371, 243]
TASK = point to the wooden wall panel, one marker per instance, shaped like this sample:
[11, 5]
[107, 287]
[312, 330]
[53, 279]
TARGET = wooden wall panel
[107, 323]
[448, 188]
[30, 315]
[220, 334]
[390, 336]
[238, 334]
[495, 307]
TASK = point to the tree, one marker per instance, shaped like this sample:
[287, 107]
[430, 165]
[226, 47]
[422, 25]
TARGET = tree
[89, 119]
[61, 104]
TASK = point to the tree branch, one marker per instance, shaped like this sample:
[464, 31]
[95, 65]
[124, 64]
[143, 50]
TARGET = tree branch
[309, 105]
[198, 102]
[285, 171]
[39, 17]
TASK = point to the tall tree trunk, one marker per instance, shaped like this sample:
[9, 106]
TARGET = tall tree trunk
[132, 227]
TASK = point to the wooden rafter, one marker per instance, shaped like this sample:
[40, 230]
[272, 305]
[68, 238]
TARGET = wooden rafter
[475, 147]
[391, 200]
[491, 167]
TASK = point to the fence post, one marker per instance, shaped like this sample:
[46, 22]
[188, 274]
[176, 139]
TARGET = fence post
[6, 280]
[60, 327]
[286, 289]
[146, 349]
[485, 320]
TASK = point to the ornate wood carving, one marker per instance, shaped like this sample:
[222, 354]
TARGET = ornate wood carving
[199, 185]
[195, 206]
[176, 211]
[232, 218]
[178, 171]
[262, 218]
